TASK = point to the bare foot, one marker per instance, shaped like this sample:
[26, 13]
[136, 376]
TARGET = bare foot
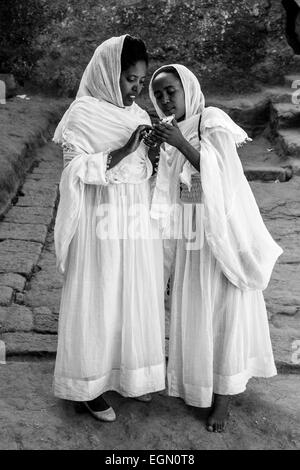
[218, 417]
[145, 398]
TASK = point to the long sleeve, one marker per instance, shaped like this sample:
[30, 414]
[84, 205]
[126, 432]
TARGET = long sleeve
[93, 166]
[234, 227]
[80, 168]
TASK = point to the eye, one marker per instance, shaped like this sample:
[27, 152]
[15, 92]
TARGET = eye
[171, 91]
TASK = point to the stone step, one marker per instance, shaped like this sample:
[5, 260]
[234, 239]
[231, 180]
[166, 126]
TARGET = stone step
[284, 115]
[290, 79]
[282, 94]
[294, 164]
[294, 65]
[288, 143]
[29, 344]
[267, 173]
[284, 331]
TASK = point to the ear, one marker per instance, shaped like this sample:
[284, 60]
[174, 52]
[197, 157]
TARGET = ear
[174, 122]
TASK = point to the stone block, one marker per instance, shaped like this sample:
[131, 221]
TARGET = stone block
[29, 344]
[29, 215]
[6, 294]
[10, 84]
[13, 280]
[30, 232]
[44, 320]
[15, 318]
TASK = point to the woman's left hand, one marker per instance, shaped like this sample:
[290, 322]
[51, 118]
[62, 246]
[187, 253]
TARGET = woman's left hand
[170, 134]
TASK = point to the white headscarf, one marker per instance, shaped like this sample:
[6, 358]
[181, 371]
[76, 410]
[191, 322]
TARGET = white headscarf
[194, 98]
[101, 78]
[234, 228]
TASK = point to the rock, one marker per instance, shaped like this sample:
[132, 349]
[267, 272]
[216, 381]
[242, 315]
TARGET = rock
[29, 344]
[13, 280]
[15, 318]
[18, 246]
[251, 111]
[280, 94]
[6, 294]
[285, 232]
[38, 186]
[284, 115]
[10, 84]
[288, 143]
[283, 292]
[20, 264]
[43, 197]
[285, 336]
[51, 177]
[30, 232]
[277, 309]
[38, 296]
[44, 320]
[19, 256]
[295, 165]
[278, 201]
[19, 298]
[30, 215]
[51, 156]
[290, 79]
[265, 173]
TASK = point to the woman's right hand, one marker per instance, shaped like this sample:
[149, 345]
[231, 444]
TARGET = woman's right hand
[132, 144]
[135, 139]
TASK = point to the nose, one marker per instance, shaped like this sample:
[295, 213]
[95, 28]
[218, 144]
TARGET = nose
[165, 98]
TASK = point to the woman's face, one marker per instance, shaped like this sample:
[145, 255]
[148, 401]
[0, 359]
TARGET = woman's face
[169, 95]
[132, 82]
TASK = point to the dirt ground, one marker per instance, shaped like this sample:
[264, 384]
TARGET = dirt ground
[266, 416]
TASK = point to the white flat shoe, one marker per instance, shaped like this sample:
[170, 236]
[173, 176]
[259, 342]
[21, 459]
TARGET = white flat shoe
[106, 415]
[145, 398]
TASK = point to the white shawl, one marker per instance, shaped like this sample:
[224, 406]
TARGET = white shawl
[233, 225]
[93, 126]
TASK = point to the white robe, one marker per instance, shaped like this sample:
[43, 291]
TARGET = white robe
[111, 321]
[219, 333]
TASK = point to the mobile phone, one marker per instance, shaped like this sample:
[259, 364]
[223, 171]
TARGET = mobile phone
[168, 119]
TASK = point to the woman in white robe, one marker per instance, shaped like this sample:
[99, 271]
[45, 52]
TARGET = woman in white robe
[219, 333]
[111, 320]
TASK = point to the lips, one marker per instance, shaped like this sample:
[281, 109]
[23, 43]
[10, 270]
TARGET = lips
[169, 110]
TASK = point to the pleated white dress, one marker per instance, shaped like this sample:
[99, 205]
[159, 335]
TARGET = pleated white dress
[219, 333]
[111, 323]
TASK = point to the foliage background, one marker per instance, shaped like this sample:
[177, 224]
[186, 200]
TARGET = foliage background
[232, 45]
